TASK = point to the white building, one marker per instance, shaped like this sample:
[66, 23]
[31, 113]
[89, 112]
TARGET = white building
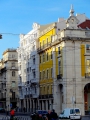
[28, 63]
[9, 79]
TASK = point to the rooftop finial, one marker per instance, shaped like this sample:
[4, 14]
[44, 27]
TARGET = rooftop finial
[71, 11]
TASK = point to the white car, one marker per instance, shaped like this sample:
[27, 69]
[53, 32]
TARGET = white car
[72, 113]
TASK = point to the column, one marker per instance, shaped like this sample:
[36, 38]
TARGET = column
[33, 106]
[46, 105]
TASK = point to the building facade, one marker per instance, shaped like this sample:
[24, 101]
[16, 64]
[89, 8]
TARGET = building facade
[71, 73]
[9, 79]
[28, 62]
[46, 63]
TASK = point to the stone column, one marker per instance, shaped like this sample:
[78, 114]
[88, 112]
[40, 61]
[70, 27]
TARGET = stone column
[46, 105]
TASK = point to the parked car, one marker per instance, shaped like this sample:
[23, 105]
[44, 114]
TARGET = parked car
[72, 113]
[39, 112]
[2, 110]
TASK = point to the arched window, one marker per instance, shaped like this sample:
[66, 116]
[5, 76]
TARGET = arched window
[13, 73]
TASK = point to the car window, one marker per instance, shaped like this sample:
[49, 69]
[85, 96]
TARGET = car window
[62, 112]
[77, 111]
[72, 111]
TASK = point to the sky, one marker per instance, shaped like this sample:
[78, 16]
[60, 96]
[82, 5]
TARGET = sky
[17, 16]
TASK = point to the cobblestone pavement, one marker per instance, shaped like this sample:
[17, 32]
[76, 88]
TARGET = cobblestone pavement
[4, 117]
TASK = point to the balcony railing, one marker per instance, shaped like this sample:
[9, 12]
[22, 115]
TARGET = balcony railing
[46, 96]
[20, 84]
[55, 40]
[13, 99]
[33, 81]
[2, 99]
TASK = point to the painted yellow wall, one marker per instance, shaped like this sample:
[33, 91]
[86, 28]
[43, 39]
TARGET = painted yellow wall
[43, 66]
[82, 60]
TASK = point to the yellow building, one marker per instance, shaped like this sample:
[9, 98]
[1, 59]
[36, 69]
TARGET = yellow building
[46, 67]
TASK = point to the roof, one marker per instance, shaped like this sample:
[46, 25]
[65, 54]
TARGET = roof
[85, 24]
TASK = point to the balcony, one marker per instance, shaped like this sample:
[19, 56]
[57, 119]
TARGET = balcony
[56, 40]
[59, 76]
[33, 81]
[47, 96]
[13, 99]
[20, 84]
[35, 96]
[21, 96]
[28, 96]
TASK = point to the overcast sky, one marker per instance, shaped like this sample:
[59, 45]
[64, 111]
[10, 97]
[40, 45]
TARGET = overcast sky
[17, 16]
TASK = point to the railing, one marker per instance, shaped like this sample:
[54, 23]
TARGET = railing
[55, 40]
[46, 96]
[33, 80]
[2, 99]
[13, 99]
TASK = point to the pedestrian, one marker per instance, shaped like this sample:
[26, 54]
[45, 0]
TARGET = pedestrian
[54, 115]
[48, 116]
[12, 114]
[40, 117]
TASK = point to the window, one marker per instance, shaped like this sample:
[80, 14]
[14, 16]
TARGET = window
[33, 60]
[20, 67]
[51, 55]
[88, 48]
[13, 84]
[33, 47]
[47, 41]
[51, 72]
[13, 64]
[88, 67]
[40, 58]
[47, 56]
[51, 39]
[43, 74]
[28, 64]
[40, 76]
[43, 57]
[40, 45]
[47, 89]
[59, 65]
[59, 52]
[35, 89]
[43, 43]
[13, 73]
[30, 69]
[47, 74]
[34, 74]
[13, 95]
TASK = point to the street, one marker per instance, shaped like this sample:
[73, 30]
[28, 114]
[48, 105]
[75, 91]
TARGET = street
[27, 117]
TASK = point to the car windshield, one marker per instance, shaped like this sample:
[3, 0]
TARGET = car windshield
[72, 111]
[77, 111]
[39, 112]
[44, 112]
